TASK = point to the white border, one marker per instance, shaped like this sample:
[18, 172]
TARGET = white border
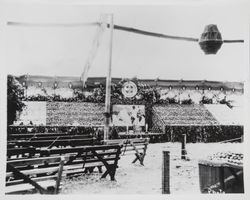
[3, 89]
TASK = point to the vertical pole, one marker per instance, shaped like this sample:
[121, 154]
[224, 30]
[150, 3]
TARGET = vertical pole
[108, 83]
[221, 178]
[164, 134]
[183, 147]
[165, 173]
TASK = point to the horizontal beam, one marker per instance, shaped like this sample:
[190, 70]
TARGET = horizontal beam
[117, 27]
[30, 24]
[233, 41]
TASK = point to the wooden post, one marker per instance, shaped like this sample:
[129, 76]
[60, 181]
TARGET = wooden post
[108, 83]
[165, 173]
[221, 178]
[183, 147]
[165, 139]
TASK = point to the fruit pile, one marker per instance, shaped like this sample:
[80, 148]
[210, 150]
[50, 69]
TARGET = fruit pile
[227, 158]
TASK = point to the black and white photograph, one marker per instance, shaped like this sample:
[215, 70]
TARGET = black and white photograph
[125, 99]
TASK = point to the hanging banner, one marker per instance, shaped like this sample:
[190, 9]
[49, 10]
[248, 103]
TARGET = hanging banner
[128, 115]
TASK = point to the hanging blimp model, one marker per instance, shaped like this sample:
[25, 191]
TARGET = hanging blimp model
[210, 41]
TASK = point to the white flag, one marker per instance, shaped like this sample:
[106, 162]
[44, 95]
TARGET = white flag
[96, 43]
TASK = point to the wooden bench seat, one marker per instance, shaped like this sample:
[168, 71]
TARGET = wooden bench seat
[85, 159]
[28, 136]
[23, 152]
[51, 143]
[33, 173]
[44, 173]
[35, 138]
[136, 145]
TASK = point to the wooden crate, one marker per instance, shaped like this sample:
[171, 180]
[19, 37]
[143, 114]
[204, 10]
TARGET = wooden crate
[220, 178]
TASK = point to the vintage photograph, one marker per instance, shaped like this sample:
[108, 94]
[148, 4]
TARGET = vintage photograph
[125, 99]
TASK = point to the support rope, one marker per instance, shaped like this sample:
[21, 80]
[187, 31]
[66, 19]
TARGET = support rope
[117, 27]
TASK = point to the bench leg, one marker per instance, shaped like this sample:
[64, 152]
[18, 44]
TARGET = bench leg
[59, 176]
[139, 157]
[111, 172]
[100, 169]
[222, 183]
[19, 174]
[110, 168]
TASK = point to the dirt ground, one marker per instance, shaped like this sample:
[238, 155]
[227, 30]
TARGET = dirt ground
[137, 179]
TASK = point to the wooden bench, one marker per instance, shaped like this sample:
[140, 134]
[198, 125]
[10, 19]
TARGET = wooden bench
[23, 152]
[51, 143]
[44, 174]
[136, 145]
[28, 136]
[85, 159]
[40, 174]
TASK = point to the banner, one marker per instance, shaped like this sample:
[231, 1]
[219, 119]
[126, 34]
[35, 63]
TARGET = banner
[128, 115]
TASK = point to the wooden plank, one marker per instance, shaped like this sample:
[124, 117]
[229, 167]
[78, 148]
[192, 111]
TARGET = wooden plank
[89, 160]
[25, 176]
[46, 143]
[21, 151]
[70, 151]
[35, 171]
[19, 174]
[22, 188]
[59, 175]
[131, 148]
[37, 179]
[33, 161]
[29, 135]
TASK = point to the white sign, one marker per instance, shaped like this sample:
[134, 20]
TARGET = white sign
[129, 89]
[128, 115]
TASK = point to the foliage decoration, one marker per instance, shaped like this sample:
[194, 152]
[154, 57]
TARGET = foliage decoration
[15, 94]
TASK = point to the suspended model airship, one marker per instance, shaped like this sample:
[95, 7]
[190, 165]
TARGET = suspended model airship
[210, 41]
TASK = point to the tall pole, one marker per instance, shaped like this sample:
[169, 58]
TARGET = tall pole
[108, 83]
[165, 173]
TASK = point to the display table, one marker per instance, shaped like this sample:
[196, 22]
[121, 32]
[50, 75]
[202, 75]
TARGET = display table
[222, 172]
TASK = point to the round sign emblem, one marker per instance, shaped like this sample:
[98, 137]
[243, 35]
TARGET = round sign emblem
[129, 89]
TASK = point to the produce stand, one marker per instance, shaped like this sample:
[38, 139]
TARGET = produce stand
[222, 173]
